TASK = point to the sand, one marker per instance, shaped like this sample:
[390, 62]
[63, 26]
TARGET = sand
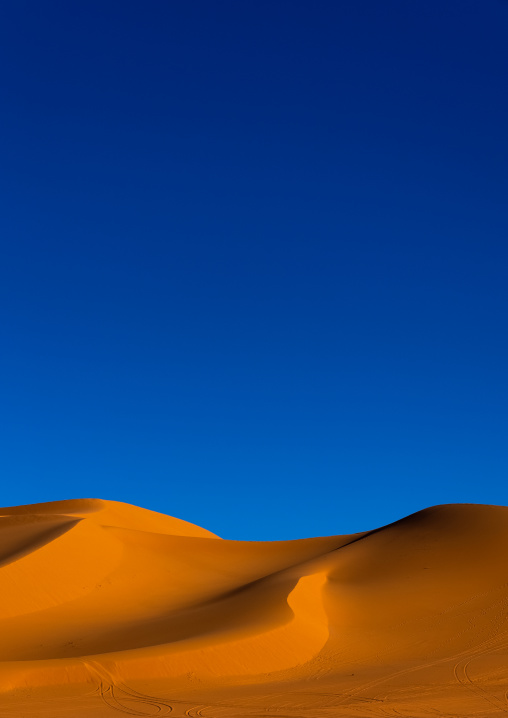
[107, 608]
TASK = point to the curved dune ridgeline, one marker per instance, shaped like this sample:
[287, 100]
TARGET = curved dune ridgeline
[108, 607]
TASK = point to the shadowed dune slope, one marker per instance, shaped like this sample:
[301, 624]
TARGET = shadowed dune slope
[98, 596]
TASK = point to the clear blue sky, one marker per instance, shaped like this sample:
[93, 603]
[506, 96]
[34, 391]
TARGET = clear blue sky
[254, 258]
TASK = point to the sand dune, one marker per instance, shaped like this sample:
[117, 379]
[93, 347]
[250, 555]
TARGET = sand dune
[108, 607]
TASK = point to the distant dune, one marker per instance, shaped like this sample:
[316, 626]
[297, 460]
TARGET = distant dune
[106, 607]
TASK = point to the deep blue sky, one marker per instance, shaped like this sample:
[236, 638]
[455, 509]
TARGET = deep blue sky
[254, 258]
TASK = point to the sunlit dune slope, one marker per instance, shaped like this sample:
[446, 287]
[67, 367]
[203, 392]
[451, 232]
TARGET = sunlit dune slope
[102, 594]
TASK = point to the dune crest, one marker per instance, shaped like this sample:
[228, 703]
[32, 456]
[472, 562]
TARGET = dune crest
[108, 513]
[106, 606]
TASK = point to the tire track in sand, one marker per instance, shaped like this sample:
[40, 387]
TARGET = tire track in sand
[115, 696]
[496, 643]
[460, 671]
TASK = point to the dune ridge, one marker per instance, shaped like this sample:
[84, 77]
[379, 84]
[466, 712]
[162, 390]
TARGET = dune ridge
[106, 606]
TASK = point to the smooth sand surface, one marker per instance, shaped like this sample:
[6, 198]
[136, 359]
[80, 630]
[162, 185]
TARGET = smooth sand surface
[108, 608]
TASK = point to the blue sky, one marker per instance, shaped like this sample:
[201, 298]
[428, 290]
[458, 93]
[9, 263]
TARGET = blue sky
[254, 258]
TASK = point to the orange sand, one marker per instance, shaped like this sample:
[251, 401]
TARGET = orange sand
[108, 608]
